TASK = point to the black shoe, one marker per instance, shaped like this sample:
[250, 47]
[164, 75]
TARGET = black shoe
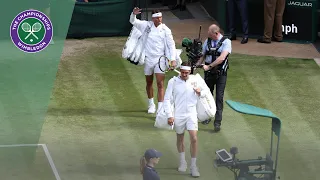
[232, 37]
[217, 127]
[262, 40]
[206, 122]
[244, 40]
[276, 40]
[183, 7]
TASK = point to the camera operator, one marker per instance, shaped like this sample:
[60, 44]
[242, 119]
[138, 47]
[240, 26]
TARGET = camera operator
[216, 50]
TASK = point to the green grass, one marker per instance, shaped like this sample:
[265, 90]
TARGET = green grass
[17, 163]
[97, 126]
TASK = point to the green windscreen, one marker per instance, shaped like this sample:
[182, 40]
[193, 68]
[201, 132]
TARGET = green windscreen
[28, 67]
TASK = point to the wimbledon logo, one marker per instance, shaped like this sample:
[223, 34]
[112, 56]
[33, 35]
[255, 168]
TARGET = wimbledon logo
[31, 31]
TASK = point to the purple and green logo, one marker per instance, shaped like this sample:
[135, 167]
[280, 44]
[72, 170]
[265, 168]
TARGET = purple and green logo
[31, 31]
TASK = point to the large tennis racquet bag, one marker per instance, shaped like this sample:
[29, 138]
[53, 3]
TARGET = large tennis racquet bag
[133, 49]
[206, 106]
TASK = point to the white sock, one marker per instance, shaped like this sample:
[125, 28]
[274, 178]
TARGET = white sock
[182, 157]
[160, 105]
[193, 162]
[151, 102]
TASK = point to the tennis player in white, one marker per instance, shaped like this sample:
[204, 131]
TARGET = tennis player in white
[159, 35]
[184, 93]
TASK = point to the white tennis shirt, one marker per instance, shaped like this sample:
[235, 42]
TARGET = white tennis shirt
[182, 94]
[155, 45]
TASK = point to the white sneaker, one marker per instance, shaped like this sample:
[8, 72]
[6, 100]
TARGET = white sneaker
[194, 171]
[158, 110]
[183, 166]
[152, 109]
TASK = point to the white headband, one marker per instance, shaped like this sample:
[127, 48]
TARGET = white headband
[159, 14]
[185, 68]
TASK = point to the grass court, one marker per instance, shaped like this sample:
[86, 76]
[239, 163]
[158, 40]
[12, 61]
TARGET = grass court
[97, 127]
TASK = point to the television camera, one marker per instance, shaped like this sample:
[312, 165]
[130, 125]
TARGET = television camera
[252, 169]
[194, 50]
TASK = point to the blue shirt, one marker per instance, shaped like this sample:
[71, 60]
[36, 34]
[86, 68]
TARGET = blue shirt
[226, 46]
[150, 173]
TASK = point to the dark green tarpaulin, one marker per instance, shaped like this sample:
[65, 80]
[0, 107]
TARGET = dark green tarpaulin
[102, 18]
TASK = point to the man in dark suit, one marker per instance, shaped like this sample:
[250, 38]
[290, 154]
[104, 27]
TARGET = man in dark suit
[273, 15]
[180, 4]
[242, 7]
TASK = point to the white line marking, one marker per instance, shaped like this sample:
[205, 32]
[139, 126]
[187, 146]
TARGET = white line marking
[46, 151]
[53, 167]
[317, 60]
[19, 145]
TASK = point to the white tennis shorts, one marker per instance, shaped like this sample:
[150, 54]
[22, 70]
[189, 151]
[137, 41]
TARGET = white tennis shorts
[187, 123]
[152, 66]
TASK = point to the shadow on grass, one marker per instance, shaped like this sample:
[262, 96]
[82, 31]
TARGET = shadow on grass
[101, 113]
[97, 112]
[110, 169]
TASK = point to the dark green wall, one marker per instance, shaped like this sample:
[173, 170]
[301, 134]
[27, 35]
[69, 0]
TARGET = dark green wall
[217, 10]
[305, 18]
[104, 18]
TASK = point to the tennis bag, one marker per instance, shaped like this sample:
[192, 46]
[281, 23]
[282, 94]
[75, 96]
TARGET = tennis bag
[206, 106]
[162, 119]
[133, 49]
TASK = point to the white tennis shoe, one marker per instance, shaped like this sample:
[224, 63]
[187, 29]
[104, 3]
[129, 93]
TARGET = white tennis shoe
[152, 109]
[183, 166]
[194, 171]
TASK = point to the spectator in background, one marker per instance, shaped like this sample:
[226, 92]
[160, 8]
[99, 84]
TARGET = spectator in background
[163, 2]
[180, 4]
[273, 14]
[242, 7]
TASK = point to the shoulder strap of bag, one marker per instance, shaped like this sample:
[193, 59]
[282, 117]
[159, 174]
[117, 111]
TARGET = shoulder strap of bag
[220, 42]
[174, 85]
[209, 45]
[165, 39]
[225, 64]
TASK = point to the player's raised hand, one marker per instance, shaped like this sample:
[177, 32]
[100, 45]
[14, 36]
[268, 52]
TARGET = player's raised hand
[136, 10]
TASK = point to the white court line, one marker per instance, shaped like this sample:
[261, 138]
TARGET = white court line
[19, 145]
[53, 167]
[317, 60]
[46, 151]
